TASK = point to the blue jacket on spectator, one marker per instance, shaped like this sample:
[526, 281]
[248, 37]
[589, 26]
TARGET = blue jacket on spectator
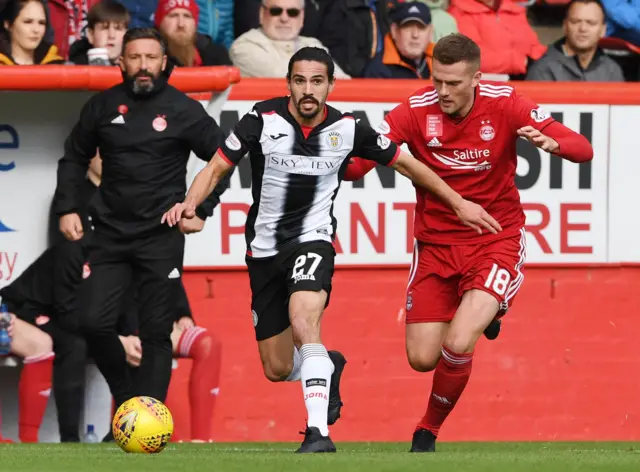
[216, 20]
[623, 19]
[141, 11]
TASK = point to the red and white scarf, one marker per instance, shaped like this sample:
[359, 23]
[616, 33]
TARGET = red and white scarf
[77, 11]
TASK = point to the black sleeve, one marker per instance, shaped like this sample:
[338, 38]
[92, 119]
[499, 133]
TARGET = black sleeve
[213, 200]
[202, 132]
[370, 145]
[182, 306]
[79, 148]
[245, 135]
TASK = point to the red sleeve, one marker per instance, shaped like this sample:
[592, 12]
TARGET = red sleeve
[525, 112]
[397, 127]
[398, 124]
[573, 146]
[358, 168]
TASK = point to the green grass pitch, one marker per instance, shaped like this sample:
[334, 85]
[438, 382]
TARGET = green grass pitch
[366, 457]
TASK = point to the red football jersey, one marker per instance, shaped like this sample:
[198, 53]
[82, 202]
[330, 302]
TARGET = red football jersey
[475, 156]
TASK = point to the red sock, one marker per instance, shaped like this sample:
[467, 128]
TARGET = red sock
[205, 350]
[449, 380]
[33, 394]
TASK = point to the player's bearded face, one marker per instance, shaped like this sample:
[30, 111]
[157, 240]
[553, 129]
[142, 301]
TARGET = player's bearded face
[309, 86]
[455, 84]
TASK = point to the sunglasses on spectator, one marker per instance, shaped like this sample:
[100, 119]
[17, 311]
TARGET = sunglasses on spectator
[277, 11]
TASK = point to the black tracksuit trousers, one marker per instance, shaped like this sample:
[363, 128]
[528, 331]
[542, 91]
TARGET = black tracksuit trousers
[154, 264]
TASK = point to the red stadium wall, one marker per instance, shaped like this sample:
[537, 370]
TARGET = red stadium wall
[565, 366]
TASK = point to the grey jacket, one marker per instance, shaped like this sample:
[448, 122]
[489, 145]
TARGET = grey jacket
[556, 66]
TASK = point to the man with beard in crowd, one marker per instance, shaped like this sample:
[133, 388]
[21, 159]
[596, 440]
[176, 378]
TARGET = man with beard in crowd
[145, 130]
[178, 24]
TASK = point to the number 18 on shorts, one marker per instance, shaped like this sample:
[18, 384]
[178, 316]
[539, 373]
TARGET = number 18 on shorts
[440, 275]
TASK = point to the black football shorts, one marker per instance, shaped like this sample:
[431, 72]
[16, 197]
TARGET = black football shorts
[304, 267]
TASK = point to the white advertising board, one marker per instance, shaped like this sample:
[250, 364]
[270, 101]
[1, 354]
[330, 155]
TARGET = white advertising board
[568, 220]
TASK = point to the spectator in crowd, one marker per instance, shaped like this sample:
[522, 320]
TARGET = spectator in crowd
[407, 47]
[22, 35]
[623, 19]
[106, 25]
[246, 16]
[177, 22]
[501, 29]
[36, 350]
[69, 20]
[442, 21]
[353, 31]
[216, 20]
[265, 51]
[577, 56]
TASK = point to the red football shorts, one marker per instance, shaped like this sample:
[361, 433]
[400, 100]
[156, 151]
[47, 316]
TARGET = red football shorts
[440, 275]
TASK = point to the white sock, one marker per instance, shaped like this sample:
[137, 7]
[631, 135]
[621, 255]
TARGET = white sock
[294, 376]
[316, 380]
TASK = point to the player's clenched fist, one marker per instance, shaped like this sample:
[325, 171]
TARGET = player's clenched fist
[474, 216]
[71, 226]
[179, 210]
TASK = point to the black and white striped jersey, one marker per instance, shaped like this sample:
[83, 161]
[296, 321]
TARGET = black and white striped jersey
[296, 172]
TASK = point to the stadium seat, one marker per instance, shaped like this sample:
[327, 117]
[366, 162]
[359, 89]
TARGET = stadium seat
[617, 46]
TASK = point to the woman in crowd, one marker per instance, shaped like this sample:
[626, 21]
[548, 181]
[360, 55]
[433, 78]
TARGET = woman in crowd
[22, 31]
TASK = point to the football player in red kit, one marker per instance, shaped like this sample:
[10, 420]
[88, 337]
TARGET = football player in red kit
[463, 278]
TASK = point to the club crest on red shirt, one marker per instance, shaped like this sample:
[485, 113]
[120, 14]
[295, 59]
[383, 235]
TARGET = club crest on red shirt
[487, 133]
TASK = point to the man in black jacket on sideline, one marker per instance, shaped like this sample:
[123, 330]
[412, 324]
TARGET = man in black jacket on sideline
[145, 130]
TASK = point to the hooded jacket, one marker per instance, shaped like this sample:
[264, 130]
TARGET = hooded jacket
[555, 65]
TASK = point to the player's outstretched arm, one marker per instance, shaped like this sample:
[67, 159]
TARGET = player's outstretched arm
[559, 140]
[204, 183]
[469, 213]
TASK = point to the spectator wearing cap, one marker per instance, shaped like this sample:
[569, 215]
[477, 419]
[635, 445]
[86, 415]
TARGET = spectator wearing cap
[265, 51]
[107, 23]
[407, 48]
[501, 29]
[577, 57]
[177, 22]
